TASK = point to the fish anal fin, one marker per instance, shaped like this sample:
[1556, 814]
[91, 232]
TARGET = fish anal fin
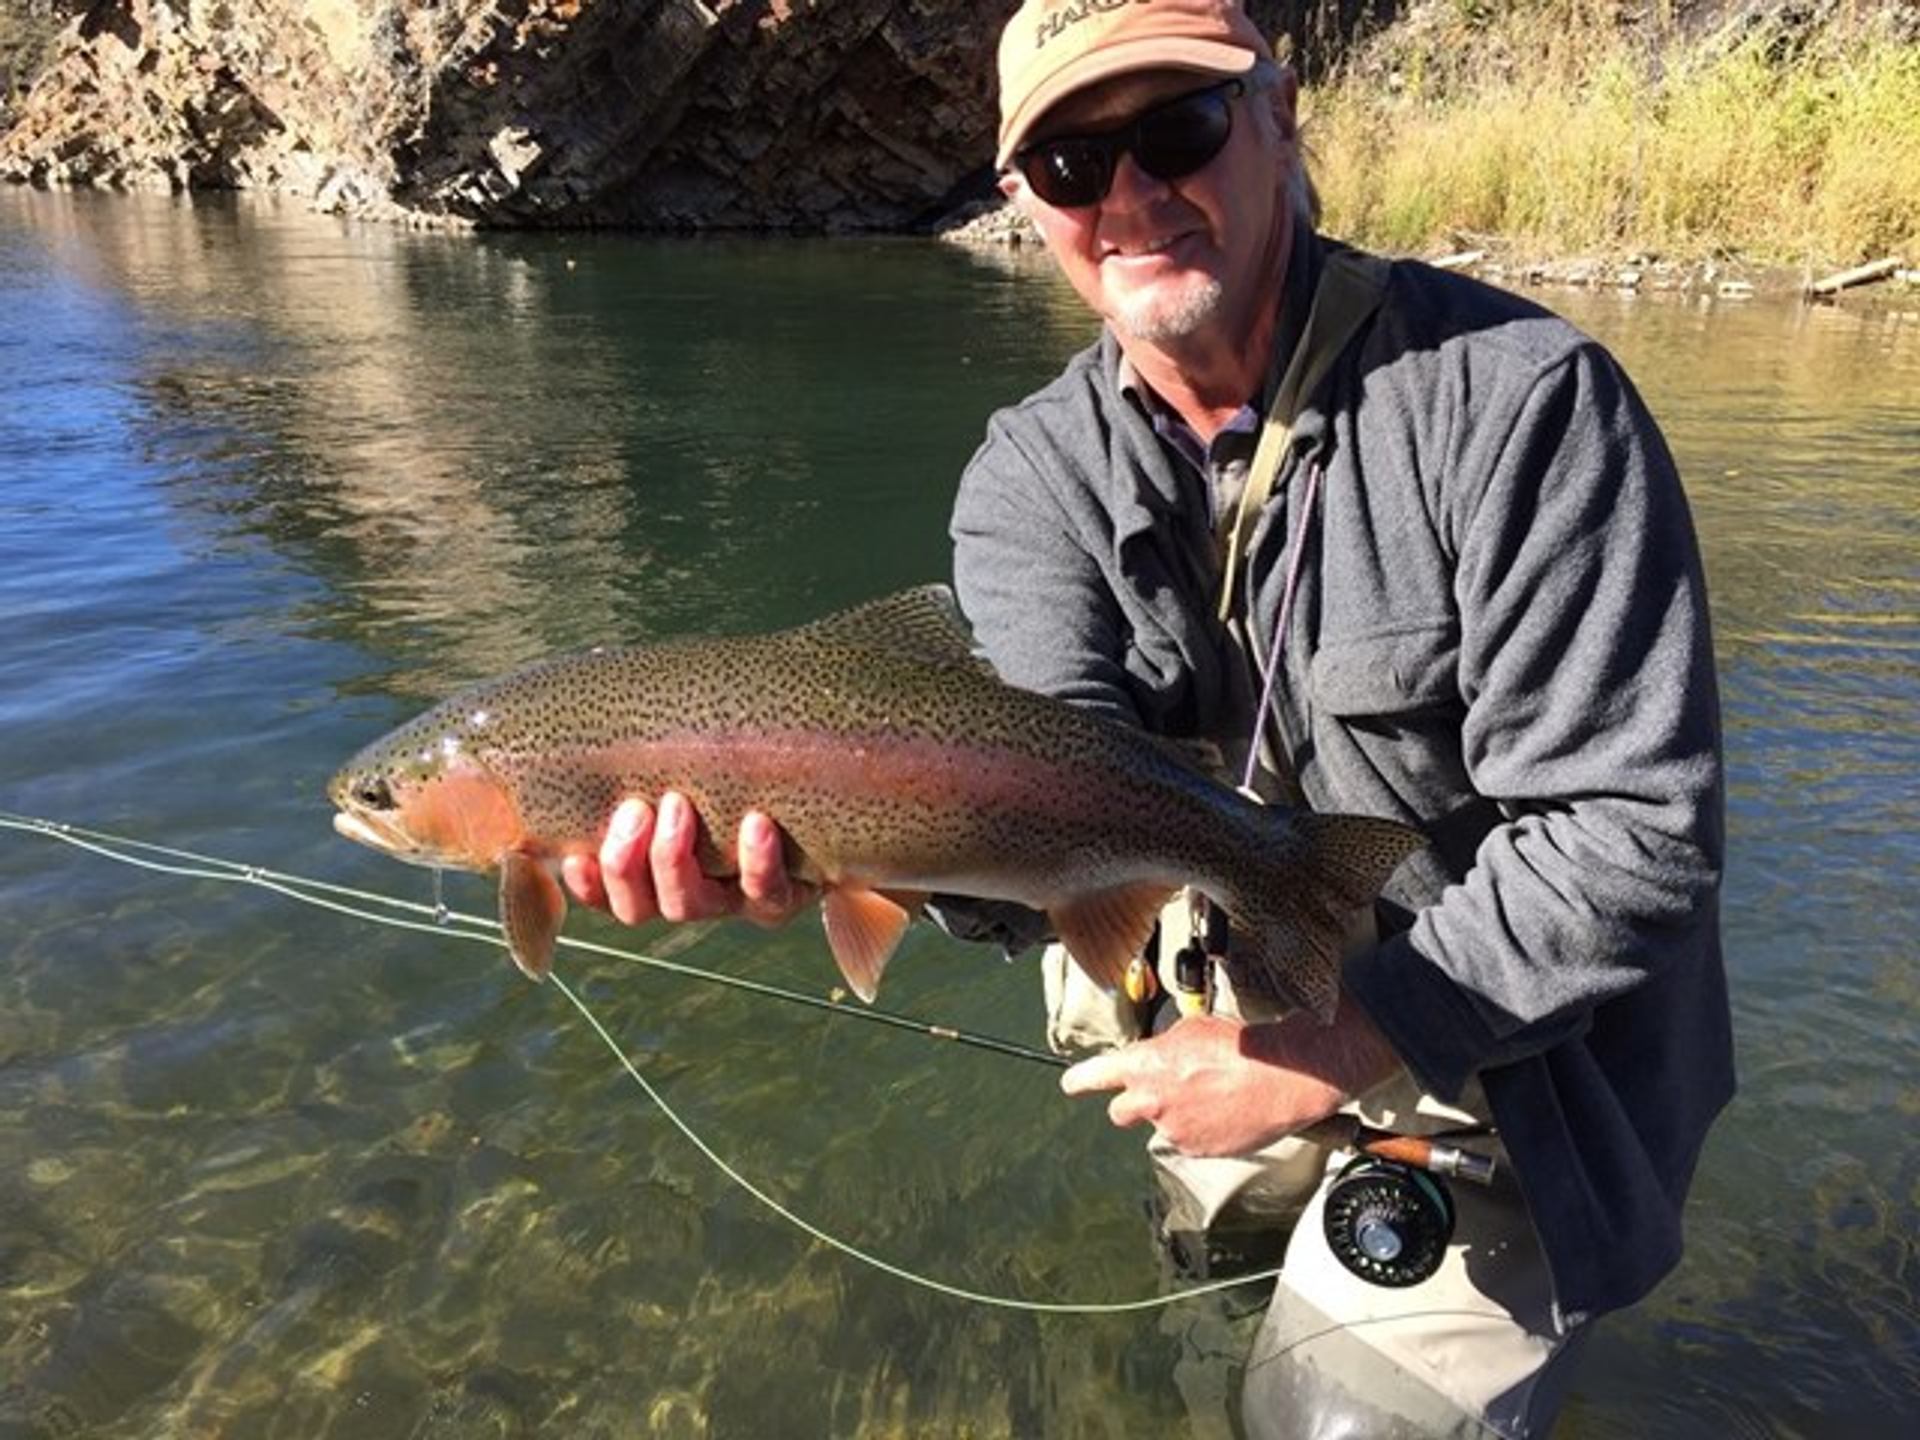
[863, 929]
[532, 905]
[1104, 930]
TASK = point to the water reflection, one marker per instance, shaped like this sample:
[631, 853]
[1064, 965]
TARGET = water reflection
[324, 404]
[493, 448]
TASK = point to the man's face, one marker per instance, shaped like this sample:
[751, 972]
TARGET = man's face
[1168, 261]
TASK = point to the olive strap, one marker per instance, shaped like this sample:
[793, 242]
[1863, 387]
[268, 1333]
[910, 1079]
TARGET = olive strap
[1350, 289]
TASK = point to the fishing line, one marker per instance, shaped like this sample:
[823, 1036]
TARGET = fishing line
[296, 887]
[186, 864]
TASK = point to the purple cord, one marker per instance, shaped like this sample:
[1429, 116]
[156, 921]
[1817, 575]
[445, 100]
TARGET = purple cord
[1278, 648]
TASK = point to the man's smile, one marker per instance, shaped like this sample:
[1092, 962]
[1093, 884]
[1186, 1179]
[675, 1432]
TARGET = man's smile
[1169, 246]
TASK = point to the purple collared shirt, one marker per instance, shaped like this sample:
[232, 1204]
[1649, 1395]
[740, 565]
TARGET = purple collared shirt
[1222, 465]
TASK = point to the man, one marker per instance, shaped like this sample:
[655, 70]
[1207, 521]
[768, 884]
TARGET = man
[1460, 590]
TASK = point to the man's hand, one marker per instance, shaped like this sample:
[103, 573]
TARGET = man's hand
[1213, 1086]
[646, 869]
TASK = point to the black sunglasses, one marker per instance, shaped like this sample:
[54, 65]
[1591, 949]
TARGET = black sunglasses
[1167, 142]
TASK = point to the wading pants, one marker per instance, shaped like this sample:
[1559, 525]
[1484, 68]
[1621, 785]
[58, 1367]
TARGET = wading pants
[1470, 1351]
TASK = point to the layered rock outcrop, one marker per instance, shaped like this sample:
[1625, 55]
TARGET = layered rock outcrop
[804, 114]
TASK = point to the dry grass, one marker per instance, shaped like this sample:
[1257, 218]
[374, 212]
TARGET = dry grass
[27, 31]
[1547, 123]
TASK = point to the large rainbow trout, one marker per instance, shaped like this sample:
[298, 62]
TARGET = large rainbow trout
[897, 766]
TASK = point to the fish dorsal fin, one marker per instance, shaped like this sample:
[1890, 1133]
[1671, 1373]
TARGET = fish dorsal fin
[1193, 752]
[922, 624]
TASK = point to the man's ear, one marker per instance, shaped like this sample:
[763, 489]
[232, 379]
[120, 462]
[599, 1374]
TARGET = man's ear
[1284, 96]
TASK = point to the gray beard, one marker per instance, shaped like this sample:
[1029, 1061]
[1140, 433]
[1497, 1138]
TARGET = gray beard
[1157, 320]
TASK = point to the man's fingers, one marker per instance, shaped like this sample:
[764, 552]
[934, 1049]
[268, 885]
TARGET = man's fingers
[767, 892]
[682, 890]
[647, 868]
[1129, 1108]
[1108, 1071]
[1115, 1070]
[624, 869]
[582, 874]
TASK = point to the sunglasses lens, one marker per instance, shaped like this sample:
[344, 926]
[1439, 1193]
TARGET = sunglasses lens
[1068, 172]
[1167, 143]
[1179, 138]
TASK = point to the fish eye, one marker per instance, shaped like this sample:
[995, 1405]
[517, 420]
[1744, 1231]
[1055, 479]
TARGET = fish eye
[374, 793]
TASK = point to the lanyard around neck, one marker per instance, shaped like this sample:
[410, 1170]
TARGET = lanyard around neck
[1350, 289]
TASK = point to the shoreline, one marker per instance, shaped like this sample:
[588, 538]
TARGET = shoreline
[994, 228]
[1500, 261]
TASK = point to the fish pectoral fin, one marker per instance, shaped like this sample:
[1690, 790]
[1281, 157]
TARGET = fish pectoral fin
[532, 905]
[1103, 931]
[864, 929]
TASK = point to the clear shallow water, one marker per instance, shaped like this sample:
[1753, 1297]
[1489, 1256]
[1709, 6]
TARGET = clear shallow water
[268, 484]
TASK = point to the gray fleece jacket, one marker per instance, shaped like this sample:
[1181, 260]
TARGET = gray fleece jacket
[1500, 636]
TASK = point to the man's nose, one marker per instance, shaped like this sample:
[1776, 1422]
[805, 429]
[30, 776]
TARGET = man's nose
[1132, 187]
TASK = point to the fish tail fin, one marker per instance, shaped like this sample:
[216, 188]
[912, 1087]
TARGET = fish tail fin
[1292, 911]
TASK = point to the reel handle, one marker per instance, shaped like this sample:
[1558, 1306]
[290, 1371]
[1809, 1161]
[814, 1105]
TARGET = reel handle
[1418, 1151]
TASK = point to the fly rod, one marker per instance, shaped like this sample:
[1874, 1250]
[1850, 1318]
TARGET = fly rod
[1336, 1131]
[174, 861]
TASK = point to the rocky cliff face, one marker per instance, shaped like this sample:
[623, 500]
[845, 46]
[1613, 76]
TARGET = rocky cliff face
[805, 114]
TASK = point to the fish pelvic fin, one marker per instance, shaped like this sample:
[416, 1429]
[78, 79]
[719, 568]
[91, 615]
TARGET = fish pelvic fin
[532, 905]
[1104, 931]
[864, 928]
[1291, 918]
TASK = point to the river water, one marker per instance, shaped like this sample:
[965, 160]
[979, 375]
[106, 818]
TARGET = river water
[269, 483]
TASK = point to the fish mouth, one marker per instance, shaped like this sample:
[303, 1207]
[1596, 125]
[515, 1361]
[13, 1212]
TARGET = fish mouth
[378, 834]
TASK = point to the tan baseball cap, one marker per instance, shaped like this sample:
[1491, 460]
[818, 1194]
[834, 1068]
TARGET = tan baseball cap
[1051, 48]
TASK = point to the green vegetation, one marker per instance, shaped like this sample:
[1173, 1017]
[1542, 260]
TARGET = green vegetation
[1575, 126]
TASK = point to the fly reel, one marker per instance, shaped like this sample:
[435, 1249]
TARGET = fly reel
[1388, 1222]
